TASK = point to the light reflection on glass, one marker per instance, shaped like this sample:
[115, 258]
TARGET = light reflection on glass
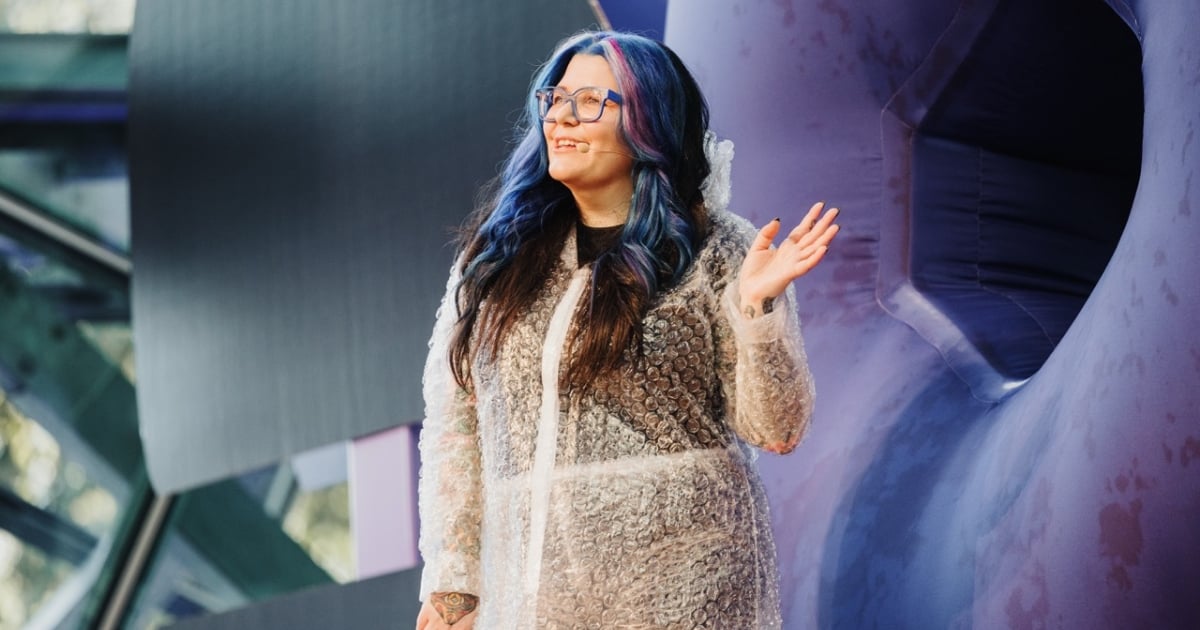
[113, 340]
[66, 16]
[290, 522]
[319, 521]
[86, 188]
[33, 469]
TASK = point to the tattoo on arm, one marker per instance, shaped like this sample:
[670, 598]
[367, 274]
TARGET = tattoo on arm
[452, 607]
[768, 305]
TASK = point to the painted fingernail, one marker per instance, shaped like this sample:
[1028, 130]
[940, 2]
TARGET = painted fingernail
[775, 219]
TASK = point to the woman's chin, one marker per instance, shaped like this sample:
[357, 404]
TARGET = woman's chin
[563, 174]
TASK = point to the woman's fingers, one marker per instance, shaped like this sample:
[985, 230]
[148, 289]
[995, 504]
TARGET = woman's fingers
[766, 235]
[798, 260]
[770, 269]
[806, 264]
[812, 214]
[811, 227]
[821, 235]
[826, 235]
[809, 220]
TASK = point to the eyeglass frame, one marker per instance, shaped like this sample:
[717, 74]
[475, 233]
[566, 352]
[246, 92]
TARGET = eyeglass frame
[570, 97]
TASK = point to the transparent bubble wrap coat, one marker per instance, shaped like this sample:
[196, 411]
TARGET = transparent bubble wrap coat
[631, 503]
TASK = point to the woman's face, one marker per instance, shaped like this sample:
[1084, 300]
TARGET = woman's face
[607, 160]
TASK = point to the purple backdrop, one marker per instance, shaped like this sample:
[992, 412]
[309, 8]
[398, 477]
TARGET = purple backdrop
[938, 488]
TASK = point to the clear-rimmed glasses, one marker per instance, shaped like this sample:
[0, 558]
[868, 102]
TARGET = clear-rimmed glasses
[587, 103]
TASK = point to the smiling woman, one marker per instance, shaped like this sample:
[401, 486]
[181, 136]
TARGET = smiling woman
[610, 343]
[586, 150]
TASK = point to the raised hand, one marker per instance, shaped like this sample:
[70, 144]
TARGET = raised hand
[768, 270]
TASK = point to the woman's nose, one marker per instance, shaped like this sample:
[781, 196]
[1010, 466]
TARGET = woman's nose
[566, 114]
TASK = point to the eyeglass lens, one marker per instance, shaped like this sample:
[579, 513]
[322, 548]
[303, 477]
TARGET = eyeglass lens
[587, 104]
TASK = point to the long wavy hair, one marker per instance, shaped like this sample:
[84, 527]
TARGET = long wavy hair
[510, 243]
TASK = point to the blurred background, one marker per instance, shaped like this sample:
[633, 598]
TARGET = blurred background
[76, 507]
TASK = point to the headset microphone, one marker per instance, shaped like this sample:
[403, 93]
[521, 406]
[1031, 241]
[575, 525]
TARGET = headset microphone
[584, 147]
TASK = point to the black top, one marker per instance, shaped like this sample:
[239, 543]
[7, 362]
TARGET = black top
[590, 242]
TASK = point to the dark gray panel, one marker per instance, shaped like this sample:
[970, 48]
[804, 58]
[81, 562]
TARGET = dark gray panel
[388, 601]
[296, 168]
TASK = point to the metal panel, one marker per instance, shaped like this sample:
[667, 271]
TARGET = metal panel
[296, 169]
[389, 601]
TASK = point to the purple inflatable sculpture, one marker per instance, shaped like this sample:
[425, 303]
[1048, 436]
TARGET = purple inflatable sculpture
[1004, 336]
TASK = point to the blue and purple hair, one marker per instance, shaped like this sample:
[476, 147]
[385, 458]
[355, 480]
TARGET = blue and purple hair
[513, 238]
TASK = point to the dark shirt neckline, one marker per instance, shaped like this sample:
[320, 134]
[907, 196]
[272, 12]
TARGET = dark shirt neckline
[591, 242]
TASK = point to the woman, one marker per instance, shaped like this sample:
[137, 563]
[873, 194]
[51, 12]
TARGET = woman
[610, 341]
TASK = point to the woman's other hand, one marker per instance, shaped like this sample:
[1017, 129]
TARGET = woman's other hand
[768, 270]
[448, 611]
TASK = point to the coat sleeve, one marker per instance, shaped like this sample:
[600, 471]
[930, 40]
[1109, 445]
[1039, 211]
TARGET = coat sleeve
[450, 489]
[767, 387]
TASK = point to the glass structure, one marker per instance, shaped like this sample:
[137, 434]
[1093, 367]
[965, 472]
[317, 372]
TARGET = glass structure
[84, 541]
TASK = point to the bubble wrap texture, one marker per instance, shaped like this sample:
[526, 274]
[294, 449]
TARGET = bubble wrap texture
[716, 188]
[655, 516]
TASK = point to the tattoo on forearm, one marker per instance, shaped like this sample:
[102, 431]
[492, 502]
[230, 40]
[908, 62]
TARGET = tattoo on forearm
[768, 305]
[452, 607]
